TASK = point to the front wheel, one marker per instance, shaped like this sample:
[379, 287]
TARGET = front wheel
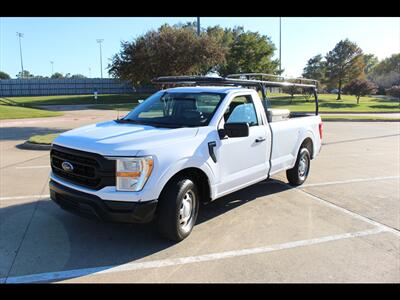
[177, 209]
[298, 174]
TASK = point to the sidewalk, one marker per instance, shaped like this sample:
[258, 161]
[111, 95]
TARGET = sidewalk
[72, 114]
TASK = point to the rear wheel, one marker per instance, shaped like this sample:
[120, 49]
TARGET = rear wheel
[177, 209]
[298, 174]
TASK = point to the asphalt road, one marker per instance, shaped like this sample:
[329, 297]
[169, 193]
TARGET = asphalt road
[342, 225]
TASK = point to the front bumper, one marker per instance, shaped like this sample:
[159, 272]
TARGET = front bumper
[91, 206]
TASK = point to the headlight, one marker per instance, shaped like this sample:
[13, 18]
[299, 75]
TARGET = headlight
[132, 173]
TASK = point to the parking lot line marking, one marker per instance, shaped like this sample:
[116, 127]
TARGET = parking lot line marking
[23, 197]
[51, 276]
[351, 213]
[33, 167]
[20, 162]
[348, 181]
[360, 139]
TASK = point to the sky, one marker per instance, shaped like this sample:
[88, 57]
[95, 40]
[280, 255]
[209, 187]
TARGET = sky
[70, 42]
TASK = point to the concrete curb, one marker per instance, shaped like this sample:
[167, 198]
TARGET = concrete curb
[32, 146]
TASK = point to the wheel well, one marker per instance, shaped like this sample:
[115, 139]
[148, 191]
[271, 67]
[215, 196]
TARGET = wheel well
[307, 143]
[199, 177]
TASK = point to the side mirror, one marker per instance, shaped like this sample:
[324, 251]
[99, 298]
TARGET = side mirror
[234, 130]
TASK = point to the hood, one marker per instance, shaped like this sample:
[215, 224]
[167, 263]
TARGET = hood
[120, 139]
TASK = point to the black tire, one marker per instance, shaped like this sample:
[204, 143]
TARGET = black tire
[297, 175]
[170, 210]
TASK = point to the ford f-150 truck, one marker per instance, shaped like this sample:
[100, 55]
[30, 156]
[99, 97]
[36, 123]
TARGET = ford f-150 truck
[179, 148]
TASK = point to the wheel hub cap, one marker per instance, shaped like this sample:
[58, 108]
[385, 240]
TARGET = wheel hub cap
[186, 209]
[303, 165]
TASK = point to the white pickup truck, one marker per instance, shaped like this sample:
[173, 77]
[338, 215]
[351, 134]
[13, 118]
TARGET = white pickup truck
[179, 148]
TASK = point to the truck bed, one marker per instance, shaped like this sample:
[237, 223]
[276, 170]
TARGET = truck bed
[287, 134]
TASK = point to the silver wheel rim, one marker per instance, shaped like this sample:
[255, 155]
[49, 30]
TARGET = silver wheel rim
[186, 211]
[303, 166]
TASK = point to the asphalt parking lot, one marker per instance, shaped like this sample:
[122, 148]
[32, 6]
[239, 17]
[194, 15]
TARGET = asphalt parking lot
[342, 225]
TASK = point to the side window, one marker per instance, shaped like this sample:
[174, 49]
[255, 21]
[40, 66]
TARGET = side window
[241, 109]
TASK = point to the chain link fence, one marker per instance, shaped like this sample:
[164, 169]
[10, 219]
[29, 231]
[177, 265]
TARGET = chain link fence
[48, 87]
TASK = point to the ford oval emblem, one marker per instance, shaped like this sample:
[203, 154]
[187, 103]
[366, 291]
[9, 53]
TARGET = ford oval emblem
[67, 167]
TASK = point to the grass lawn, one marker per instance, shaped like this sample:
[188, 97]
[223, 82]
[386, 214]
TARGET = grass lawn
[72, 99]
[17, 112]
[328, 103]
[43, 139]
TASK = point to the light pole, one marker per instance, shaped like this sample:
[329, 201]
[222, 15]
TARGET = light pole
[101, 62]
[280, 45]
[20, 35]
[90, 76]
[52, 69]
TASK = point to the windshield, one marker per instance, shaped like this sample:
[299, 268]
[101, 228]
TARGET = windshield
[176, 109]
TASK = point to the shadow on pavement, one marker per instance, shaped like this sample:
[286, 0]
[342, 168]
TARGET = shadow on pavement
[234, 200]
[23, 133]
[71, 107]
[57, 240]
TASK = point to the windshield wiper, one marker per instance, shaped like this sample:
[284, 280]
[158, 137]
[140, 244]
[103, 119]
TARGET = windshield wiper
[127, 121]
[154, 124]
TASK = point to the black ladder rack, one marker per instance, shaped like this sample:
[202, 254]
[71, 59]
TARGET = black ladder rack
[231, 80]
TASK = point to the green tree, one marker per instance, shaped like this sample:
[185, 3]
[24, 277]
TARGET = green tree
[344, 63]
[387, 72]
[246, 51]
[25, 74]
[370, 61]
[4, 75]
[166, 51]
[360, 87]
[315, 69]
[57, 75]
[389, 64]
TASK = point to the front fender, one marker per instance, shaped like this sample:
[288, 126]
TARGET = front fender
[180, 165]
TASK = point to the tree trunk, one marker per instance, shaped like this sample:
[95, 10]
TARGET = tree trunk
[358, 99]
[339, 90]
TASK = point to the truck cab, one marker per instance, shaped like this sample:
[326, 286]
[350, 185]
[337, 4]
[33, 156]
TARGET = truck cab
[179, 148]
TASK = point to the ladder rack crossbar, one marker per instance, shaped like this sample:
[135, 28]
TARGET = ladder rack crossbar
[227, 81]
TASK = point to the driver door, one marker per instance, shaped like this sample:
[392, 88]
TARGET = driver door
[243, 160]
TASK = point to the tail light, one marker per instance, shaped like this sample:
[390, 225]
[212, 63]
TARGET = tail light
[321, 128]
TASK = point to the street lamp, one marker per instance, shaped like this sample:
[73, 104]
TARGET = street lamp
[20, 35]
[52, 69]
[101, 62]
[280, 45]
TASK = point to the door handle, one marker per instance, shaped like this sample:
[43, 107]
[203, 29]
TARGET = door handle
[260, 139]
